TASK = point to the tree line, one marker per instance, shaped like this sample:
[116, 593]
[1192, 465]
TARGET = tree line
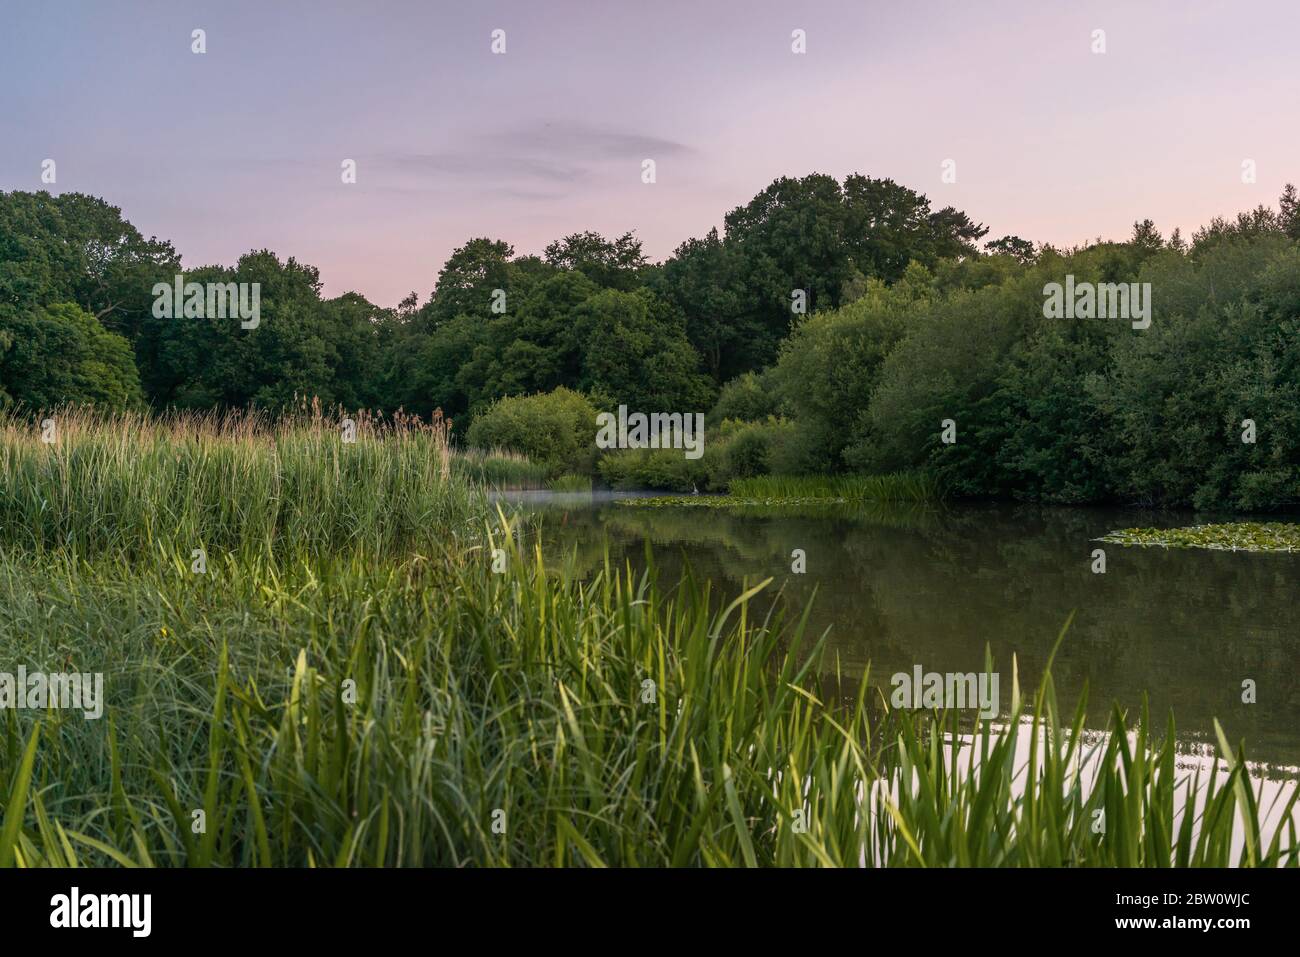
[590, 313]
[828, 326]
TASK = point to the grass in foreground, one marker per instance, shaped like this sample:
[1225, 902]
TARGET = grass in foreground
[1235, 536]
[430, 712]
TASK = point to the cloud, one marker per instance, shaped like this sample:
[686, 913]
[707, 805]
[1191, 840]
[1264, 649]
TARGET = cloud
[484, 165]
[576, 141]
[537, 161]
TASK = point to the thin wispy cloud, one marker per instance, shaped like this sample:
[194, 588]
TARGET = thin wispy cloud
[579, 141]
[518, 161]
[480, 166]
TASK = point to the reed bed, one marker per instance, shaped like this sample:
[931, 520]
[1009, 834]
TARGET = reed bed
[570, 483]
[901, 487]
[134, 485]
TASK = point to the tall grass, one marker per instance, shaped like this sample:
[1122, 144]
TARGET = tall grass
[570, 483]
[222, 482]
[1033, 790]
[368, 687]
[900, 487]
[354, 712]
[498, 468]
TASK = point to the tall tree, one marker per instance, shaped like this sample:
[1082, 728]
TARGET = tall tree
[467, 281]
[703, 279]
[609, 264]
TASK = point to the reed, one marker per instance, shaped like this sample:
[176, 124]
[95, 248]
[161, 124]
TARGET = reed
[135, 485]
[570, 483]
[901, 487]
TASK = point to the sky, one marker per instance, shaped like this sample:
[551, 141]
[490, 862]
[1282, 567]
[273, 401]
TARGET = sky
[241, 147]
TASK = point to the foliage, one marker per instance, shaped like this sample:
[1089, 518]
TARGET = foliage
[745, 398]
[570, 483]
[909, 326]
[556, 430]
[126, 484]
[846, 488]
[828, 368]
[667, 469]
[61, 353]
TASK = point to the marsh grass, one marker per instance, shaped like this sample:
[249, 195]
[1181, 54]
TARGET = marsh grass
[956, 797]
[806, 492]
[498, 469]
[522, 698]
[231, 482]
[350, 683]
[901, 487]
[570, 483]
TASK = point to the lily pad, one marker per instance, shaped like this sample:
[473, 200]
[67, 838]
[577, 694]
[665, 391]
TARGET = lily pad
[1231, 536]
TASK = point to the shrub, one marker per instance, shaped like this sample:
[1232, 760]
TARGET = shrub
[746, 398]
[667, 469]
[556, 430]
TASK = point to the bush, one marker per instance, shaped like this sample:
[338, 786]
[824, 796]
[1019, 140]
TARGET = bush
[1078, 411]
[747, 452]
[667, 469]
[556, 430]
[1227, 350]
[746, 398]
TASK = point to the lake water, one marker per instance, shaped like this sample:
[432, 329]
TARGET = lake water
[901, 587]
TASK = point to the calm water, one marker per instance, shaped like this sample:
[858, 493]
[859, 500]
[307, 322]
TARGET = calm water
[901, 587]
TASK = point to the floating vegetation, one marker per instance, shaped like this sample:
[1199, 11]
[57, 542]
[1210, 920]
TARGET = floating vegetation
[1231, 536]
[723, 501]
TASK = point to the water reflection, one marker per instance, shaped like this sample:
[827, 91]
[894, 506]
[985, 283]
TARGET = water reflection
[901, 587]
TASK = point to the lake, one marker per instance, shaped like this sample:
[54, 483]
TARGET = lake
[900, 587]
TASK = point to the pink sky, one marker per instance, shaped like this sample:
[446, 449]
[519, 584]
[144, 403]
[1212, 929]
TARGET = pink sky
[240, 147]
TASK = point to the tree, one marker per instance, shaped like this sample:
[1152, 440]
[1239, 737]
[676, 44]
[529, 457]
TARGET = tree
[888, 226]
[1289, 211]
[300, 347]
[790, 243]
[61, 353]
[1146, 239]
[610, 265]
[635, 351]
[1021, 250]
[77, 248]
[703, 280]
[467, 280]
